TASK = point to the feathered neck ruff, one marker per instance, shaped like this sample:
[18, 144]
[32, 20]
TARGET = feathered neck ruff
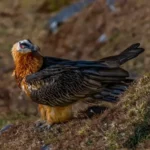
[26, 64]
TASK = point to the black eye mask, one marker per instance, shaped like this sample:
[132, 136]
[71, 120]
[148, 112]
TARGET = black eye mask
[25, 45]
[29, 41]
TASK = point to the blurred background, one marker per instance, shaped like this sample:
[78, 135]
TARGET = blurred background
[74, 29]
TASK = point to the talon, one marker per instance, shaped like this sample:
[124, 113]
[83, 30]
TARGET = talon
[39, 123]
[45, 126]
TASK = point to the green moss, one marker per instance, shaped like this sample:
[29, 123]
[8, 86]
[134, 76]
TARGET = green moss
[56, 4]
[83, 130]
[141, 132]
[14, 118]
[112, 137]
[53, 5]
[132, 124]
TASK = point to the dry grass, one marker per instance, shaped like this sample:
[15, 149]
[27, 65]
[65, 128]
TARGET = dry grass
[130, 124]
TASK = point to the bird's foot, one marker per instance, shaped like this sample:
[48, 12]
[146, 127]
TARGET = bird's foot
[42, 126]
[39, 123]
[45, 126]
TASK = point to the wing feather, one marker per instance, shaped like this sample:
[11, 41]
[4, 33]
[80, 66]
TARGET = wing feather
[60, 85]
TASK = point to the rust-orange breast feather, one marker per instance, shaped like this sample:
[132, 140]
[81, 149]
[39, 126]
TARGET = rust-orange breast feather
[25, 64]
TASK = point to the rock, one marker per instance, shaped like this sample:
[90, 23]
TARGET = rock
[46, 147]
[103, 38]
[111, 5]
[5, 128]
[66, 13]
[91, 111]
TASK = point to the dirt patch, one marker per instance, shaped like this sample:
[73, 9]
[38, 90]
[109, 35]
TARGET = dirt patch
[20, 137]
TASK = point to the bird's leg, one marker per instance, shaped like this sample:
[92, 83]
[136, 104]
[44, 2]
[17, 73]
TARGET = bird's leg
[56, 115]
[42, 111]
[47, 124]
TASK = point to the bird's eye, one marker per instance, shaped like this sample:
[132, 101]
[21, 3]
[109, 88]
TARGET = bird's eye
[23, 45]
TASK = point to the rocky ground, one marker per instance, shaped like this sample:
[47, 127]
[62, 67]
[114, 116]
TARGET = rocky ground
[125, 125]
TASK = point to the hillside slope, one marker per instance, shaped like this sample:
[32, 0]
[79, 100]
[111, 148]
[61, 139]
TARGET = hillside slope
[125, 125]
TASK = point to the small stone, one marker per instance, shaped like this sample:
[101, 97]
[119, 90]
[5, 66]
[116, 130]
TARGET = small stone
[103, 38]
[5, 128]
[46, 147]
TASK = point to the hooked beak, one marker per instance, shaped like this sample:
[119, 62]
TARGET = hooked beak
[25, 46]
[35, 48]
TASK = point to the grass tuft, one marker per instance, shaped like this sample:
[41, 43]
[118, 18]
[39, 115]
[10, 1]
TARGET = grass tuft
[131, 118]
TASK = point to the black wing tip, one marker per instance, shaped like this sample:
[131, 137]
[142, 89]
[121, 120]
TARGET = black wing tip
[131, 52]
[134, 49]
[136, 46]
[140, 50]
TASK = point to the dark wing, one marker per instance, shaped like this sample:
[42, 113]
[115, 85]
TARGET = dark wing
[59, 86]
[128, 54]
[108, 62]
[61, 82]
[62, 85]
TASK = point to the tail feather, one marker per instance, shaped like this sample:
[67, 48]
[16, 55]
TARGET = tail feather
[128, 54]
[113, 78]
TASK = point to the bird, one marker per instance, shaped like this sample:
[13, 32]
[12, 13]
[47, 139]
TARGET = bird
[55, 84]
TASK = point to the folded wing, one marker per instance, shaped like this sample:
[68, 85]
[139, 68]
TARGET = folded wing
[62, 85]
[61, 82]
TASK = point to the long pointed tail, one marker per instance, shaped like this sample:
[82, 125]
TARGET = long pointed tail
[128, 54]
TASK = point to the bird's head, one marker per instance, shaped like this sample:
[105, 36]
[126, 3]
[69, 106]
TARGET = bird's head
[25, 46]
[26, 57]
